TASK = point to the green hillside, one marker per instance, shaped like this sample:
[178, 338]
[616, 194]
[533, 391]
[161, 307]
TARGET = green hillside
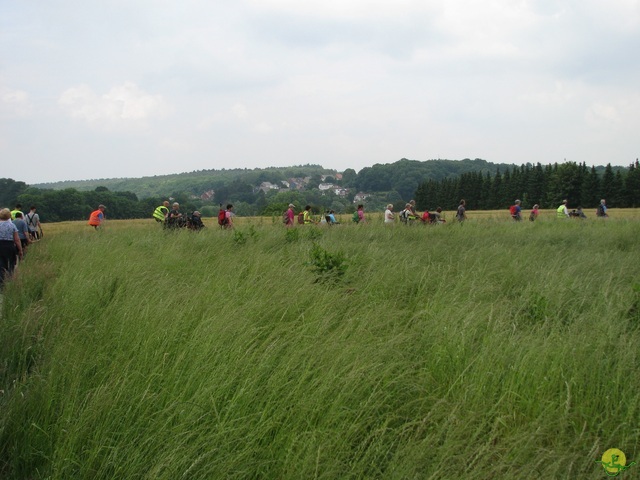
[403, 176]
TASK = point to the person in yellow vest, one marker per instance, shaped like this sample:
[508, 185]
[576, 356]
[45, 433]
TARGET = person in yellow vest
[97, 217]
[161, 213]
[18, 209]
[562, 211]
[307, 216]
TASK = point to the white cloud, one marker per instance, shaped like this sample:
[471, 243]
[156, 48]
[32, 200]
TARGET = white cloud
[352, 9]
[602, 114]
[240, 111]
[15, 103]
[124, 105]
[177, 145]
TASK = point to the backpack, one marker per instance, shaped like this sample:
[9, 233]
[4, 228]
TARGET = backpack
[222, 217]
[30, 222]
[285, 217]
[355, 217]
[600, 211]
[512, 210]
[425, 216]
[301, 218]
[404, 215]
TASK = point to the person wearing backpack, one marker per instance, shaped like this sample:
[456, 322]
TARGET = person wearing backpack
[225, 217]
[516, 211]
[194, 222]
[289, 216]
[404, 214]
[601, 211]
[33, 222]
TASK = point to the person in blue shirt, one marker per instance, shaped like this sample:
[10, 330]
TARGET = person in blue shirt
[23, 231]
[602, 209]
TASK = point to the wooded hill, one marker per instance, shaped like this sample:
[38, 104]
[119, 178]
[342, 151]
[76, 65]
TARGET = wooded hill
[402, 176]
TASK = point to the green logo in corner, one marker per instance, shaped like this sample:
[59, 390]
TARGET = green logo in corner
[614, 461]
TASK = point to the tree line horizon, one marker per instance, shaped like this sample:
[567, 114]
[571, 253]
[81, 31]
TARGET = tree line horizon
[432, 183]
[546, 186]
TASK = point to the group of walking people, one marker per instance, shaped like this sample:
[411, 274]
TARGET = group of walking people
[174, 219]
[17, 232]
[409, 215]
[561, 212]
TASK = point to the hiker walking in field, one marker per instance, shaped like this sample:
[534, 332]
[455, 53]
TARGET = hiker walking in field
[562, 211]
[534, 213]
[331, 218]
[412, 208]
[33, 222]
[10, 246]
[389, 217]
[433, 218]
[516, 211]
[306, 216]
[408, 216]
[290, 216]
[358, 215]
[578, 213]
[461, 214]
[195, 221]
[23, 232]
[175, 219]
[228, 216]
[161, 213]
[16, 210]
[601, 211]
[97, 217]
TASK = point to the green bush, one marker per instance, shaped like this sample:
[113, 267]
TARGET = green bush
[327, 266]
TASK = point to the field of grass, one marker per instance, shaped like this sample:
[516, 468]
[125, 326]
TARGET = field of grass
[485, 350]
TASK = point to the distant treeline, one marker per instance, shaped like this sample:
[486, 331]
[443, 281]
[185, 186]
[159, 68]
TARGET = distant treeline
[70, 204]
[545, 185]
[432, 183]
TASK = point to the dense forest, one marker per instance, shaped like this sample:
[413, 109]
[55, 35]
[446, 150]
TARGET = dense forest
[546, 186]
[432, 183]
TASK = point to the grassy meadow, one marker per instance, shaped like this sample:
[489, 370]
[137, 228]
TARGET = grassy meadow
[484, 350]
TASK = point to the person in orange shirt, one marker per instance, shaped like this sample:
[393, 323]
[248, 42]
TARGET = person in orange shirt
[97, 217]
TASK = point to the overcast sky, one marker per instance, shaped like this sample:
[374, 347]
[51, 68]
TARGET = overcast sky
[132, 88]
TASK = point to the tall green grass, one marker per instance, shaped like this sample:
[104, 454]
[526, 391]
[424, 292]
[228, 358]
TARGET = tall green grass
[483, 350]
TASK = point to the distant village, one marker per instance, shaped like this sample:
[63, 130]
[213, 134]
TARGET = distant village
[299, 184]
